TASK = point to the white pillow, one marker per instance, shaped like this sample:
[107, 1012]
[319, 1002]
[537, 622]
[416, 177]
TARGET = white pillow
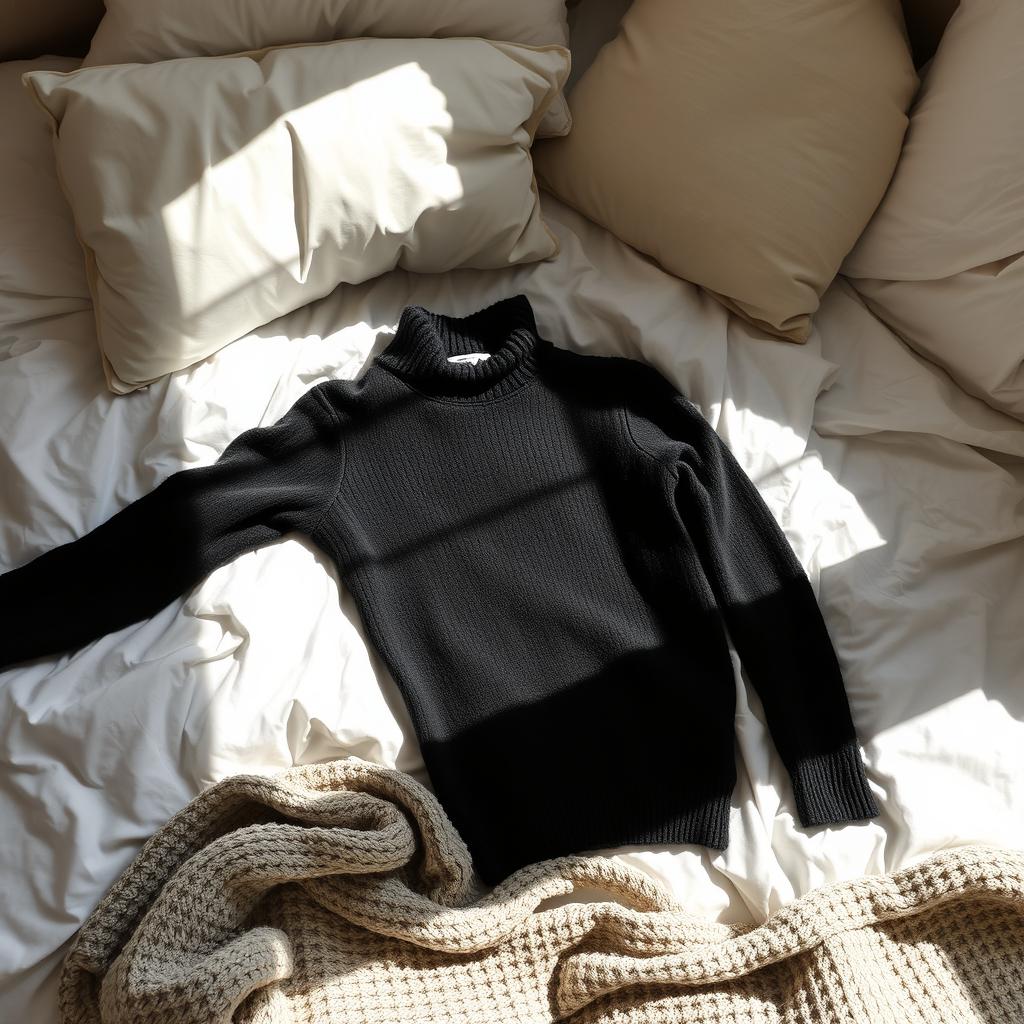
[146, 31]
[942, 260]
[213, 194]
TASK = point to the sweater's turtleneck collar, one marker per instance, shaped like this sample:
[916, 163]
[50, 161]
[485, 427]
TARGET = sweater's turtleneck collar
[424, 341]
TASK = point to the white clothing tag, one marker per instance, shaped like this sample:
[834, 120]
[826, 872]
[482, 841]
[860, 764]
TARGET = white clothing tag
[470, 357]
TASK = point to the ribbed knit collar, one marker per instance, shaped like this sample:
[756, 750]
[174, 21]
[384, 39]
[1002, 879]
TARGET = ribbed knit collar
[506, 331]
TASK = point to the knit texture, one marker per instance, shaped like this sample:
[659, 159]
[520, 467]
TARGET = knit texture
[340, 892]
[546, 549]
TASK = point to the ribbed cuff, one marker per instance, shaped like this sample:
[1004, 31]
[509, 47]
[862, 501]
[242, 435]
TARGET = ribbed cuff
[831, 788]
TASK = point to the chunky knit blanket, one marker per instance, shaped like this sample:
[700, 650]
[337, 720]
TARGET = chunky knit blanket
[340, 892]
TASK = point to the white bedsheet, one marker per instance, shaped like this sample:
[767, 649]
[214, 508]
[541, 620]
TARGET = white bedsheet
[903, 497]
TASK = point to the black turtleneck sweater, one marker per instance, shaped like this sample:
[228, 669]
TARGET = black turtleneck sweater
[546, 549]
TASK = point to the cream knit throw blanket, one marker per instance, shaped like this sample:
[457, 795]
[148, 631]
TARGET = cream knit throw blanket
[341, 893]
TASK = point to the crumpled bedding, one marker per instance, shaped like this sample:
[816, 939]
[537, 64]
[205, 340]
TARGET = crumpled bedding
[902, 496]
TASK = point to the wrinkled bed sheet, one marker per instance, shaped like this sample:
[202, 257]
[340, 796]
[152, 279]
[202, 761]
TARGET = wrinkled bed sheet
[903, 497]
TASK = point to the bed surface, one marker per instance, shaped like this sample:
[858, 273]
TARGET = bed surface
[903, 497]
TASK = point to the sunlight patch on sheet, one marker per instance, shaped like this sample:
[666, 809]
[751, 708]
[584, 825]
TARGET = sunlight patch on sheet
[823, 521]
[305, 690]
[951, 773]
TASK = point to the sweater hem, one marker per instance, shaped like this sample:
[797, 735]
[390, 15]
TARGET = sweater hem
[706, 824]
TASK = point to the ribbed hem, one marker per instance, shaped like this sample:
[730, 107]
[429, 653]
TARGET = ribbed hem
[832, 788]
[637, 824]
[506, 331]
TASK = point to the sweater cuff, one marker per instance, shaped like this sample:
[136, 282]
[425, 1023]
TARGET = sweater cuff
[832, 788]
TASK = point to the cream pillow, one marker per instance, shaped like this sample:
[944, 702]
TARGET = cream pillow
[742, 144]
[146, 31]
[213, 194]
[942, 261]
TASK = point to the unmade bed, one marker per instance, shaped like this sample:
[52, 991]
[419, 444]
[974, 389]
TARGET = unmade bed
[902, 495]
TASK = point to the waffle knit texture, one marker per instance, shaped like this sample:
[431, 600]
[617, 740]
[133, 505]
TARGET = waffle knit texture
[340, 892]
[546, 549]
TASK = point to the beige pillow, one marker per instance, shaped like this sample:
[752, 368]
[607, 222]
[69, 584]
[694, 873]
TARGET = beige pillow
[214, 194]
[742, 144]
[942, 261]
[146, 31]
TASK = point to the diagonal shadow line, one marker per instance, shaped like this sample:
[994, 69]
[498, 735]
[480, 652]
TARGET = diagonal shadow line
[482, 519]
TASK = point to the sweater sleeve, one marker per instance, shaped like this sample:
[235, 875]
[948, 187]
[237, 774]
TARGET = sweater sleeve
[269, 481]
[773, 620]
